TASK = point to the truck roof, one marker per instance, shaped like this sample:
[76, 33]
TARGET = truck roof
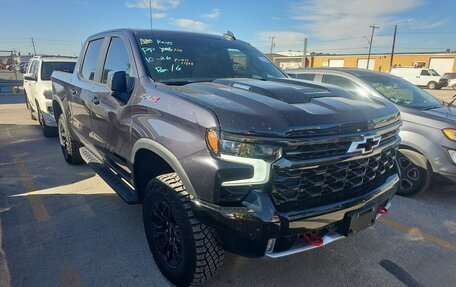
[56, 58]
[164, 33]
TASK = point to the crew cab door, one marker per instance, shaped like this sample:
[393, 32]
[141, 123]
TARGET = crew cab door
[111, 113]
[83, 93]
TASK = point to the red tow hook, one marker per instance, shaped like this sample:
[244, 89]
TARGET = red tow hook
[312, 239]
[382, 211]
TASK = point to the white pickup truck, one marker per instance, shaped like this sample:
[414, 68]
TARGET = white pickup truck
[38, 88]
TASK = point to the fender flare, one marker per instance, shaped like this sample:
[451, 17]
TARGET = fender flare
[57, 101]
[406, 141]
[166, 155]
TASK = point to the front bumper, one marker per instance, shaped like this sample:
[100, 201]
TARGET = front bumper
[257, 229]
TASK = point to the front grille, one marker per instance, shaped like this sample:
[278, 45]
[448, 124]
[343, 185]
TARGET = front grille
[328, 149]
[309, 187]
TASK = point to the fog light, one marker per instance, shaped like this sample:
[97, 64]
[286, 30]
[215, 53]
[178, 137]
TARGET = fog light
[452, 154]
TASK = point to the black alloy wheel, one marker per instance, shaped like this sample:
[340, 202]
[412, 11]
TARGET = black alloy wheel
[416, 172]
[70, 147]
[167, 235]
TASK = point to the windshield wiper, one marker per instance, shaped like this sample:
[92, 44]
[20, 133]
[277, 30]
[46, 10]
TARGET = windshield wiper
[452, 101]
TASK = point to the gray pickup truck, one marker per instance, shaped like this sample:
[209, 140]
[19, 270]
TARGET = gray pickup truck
[223, 149]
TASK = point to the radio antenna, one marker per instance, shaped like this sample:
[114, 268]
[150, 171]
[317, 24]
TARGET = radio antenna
[150, 14]
[153, 62]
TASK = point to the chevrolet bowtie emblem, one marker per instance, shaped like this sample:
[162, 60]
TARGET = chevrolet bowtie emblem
[365, 145]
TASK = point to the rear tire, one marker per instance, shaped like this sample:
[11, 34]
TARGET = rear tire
[70, 147]
[186, 251]
[416, 172]
[432, 85]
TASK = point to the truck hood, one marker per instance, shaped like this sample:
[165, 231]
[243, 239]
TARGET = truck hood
[286, 107]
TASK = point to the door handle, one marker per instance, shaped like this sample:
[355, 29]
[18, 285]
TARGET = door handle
[95, 101]
[73, 92]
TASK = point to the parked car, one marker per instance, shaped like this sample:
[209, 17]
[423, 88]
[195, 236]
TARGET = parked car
[428, 147]
[452, 83]
[23, 67]
[450, 76]
[422, 77]
[224, 154]
[38, 89]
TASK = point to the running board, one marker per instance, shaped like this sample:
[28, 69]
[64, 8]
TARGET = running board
[110, 177]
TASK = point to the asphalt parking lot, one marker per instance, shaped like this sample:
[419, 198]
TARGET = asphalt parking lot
[61, 225]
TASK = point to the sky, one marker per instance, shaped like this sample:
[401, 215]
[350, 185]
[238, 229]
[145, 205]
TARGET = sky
[331, 26]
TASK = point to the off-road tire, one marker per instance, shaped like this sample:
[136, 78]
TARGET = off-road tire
[200, 253]
[70, 147]
[432, 85]
[416, 172]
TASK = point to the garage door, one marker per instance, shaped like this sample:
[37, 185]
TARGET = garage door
[362, 63]
[336, 63]
[442, 65]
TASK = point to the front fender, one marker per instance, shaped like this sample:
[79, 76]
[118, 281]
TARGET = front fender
[167, 156]
[430, 149]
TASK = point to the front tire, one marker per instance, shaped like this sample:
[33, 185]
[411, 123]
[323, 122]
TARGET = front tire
[416, 172]
[70, 147]
[432, 85]
[186, 251]
[454, 87]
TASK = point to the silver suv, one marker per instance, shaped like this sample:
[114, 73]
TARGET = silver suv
[428, 147]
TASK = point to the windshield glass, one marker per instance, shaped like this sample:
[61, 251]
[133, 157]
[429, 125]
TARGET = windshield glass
[402, 92]
[433, 72]
[48, 67]
[183, 59]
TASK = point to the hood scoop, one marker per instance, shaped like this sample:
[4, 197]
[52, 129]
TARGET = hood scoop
[284, 92]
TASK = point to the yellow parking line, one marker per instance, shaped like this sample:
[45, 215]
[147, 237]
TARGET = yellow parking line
[40, 211]
[419, 234]
[70, 278]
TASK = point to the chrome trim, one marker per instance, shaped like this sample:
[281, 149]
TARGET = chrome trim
[302, 246]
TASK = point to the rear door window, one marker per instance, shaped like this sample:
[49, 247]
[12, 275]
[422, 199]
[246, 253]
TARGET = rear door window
[89, 66]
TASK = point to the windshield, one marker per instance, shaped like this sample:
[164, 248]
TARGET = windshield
[402, 92]
[48, 67]
[183, 59]
[433, 72]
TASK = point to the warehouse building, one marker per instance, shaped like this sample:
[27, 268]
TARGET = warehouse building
[441, 62]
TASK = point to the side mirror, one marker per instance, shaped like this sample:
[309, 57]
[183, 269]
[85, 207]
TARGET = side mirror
[117, 82]
[29, 77]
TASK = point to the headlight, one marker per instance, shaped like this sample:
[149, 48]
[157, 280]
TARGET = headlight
[450, 133]
[259, 156]
[241, 149]
[47, 94]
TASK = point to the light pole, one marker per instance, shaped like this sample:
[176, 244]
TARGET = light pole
[370, 44]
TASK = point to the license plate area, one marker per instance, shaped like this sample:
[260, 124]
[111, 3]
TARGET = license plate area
[358, 220]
